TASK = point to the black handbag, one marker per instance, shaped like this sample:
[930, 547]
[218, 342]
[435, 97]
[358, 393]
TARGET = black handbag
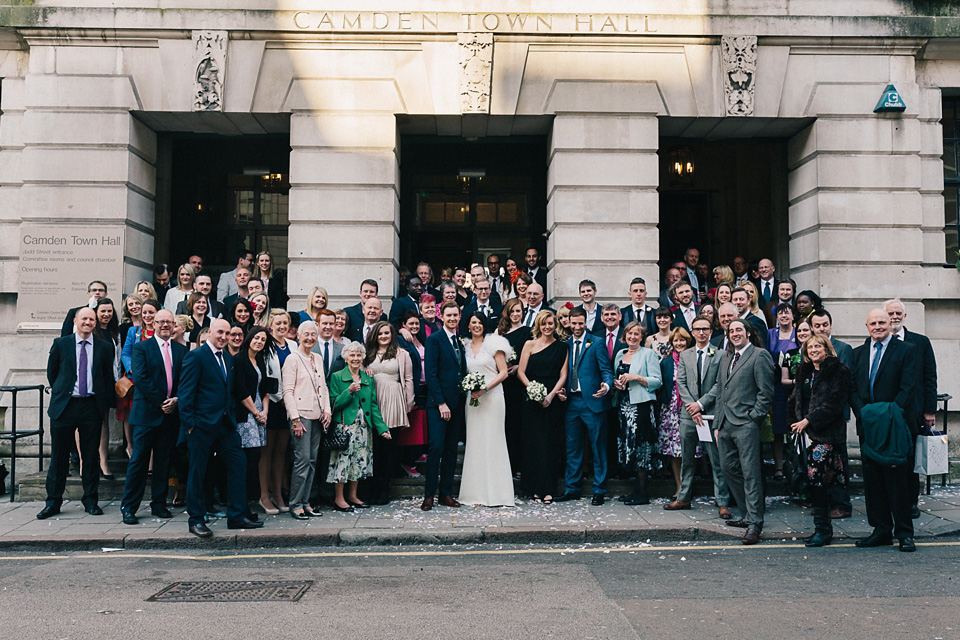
[336, 438]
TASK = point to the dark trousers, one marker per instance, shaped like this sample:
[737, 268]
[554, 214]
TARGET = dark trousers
[384, 464]
[226, 442]
[889, 494]
[442, 450]
[159, 440]
[583, 423]
[82, 416]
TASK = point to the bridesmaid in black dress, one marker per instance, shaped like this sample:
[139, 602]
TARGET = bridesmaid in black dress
[517, 334]
[544, 360]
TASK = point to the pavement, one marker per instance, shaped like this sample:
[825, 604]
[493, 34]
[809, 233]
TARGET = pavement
[403, 523]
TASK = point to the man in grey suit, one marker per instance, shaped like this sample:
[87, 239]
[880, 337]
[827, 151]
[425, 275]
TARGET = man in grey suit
[696, 378]
[328, 348]
[744, 395]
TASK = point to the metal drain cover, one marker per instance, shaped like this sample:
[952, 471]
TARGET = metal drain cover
[234, 591]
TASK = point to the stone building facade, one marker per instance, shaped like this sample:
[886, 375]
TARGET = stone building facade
[90, 92]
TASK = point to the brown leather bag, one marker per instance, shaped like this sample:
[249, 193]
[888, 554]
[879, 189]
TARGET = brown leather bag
[124, 387]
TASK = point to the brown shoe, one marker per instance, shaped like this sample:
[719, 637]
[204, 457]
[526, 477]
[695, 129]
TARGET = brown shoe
[837, 514]
[725, 513]
[676, 505]
[752, 536]
[449, 501]
[427, 504]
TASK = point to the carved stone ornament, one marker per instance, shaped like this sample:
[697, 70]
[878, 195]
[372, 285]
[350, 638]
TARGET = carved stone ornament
[209, 67]
[476, 71]
[739, 72]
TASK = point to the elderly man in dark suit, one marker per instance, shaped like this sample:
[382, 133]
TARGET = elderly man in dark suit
[589, 378]
[154, 416]
[445, 366]
[207, 424]
[926, 402]
[80, 374]
[696, 377]
[885, 370]
[744, 395]
[368, 289]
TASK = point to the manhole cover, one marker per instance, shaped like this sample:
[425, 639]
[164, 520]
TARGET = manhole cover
[235, 591]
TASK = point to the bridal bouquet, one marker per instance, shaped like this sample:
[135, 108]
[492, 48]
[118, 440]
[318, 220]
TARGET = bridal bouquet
[512, 356]
[536, 392]
[474, 382]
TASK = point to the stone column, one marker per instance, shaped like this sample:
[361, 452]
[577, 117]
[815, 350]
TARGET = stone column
[602, 204]
[855, 205]
[344, 204]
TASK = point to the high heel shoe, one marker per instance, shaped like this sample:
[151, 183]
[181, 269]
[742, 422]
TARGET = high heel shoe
[270, 511]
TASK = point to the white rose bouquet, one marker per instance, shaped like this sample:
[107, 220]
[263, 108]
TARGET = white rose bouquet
[536, 392]
[474, 382]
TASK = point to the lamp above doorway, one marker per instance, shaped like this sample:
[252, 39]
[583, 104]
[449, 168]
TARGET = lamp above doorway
[466, 177]
[682, 165]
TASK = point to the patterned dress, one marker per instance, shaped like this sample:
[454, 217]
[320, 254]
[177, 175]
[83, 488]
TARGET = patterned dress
[668, 443]
[356, 462]
[638, 437]
[252, 433]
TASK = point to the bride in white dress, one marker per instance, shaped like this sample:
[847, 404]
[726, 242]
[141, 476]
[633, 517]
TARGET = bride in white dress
[487, 479]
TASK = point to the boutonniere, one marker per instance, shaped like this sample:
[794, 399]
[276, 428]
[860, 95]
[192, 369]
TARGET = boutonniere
[711, 351]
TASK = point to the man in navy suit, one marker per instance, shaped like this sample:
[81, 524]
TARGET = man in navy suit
[638, 310]
[589, 378]
[484, 303]
[533, 269]
[80, 374]
[767, 285]
[207, 424]
[410, 302]
[886, 370]
[445, 366]
[741, 300]
[534, 304]
[593, 309]
[368, 289]
[687, 309]
[156, 368]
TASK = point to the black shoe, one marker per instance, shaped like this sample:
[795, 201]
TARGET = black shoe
[597, 500]
[129, 517]
[298, 515]
[347, 509]
[358, 505]
[161, 512]
[48, 511]
[818, 540]
[94, 510]
[379, 501]
[244, 523]
[740, 524]
[201, 530]
[566, 497]
[908, 545]
[914, 512]
[107, 476]
[623, 498]
[635, 499]
[875, 540]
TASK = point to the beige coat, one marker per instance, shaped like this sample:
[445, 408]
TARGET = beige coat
[305, 393]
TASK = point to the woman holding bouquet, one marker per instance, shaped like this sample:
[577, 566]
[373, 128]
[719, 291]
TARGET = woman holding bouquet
[543, 361]
[487, 479]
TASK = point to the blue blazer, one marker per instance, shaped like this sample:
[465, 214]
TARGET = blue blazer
[150, 381]
[205, 398]
[126, 356]
[595, 368]
[443, 374]
[399, 307]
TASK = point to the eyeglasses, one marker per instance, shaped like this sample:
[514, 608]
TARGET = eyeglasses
[481, 288]
[163, 322]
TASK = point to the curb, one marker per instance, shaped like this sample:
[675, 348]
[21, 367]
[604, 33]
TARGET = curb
[362, 537]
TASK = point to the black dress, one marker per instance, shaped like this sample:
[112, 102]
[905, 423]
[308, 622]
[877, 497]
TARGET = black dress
[543, 428]
[514, 395]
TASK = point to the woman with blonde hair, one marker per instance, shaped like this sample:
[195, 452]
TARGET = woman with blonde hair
[544, 360]
[722, 274]
[145, 290]
[185, 277]
[273, 284]
[261, 310]
[754, 300]
[316, 302]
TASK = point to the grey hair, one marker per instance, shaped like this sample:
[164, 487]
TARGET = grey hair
[353, 347]
[887, 303]
[308, 324]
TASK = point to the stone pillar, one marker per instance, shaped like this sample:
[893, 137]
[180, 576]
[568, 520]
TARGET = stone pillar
[602, 204]
[855, 205]
[344, 204]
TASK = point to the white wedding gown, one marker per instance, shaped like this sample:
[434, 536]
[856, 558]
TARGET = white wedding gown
[487, 478]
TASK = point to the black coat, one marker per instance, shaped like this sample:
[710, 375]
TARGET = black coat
[245, 384]
[829, 395]
[62, 374]
[896, 381]
[927, 389]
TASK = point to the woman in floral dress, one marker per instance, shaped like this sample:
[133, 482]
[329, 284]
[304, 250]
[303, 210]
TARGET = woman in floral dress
[668, 443]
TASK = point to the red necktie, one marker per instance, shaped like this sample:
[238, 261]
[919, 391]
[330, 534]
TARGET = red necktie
[610, 345]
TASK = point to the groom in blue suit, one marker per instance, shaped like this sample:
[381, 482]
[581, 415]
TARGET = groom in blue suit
[207, 423]
[445, 366]
[588, 381]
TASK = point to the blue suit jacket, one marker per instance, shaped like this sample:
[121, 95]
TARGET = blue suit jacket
[150, 381]
[206, 398]
[443, 374]
[399, 307]
[595, 368]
